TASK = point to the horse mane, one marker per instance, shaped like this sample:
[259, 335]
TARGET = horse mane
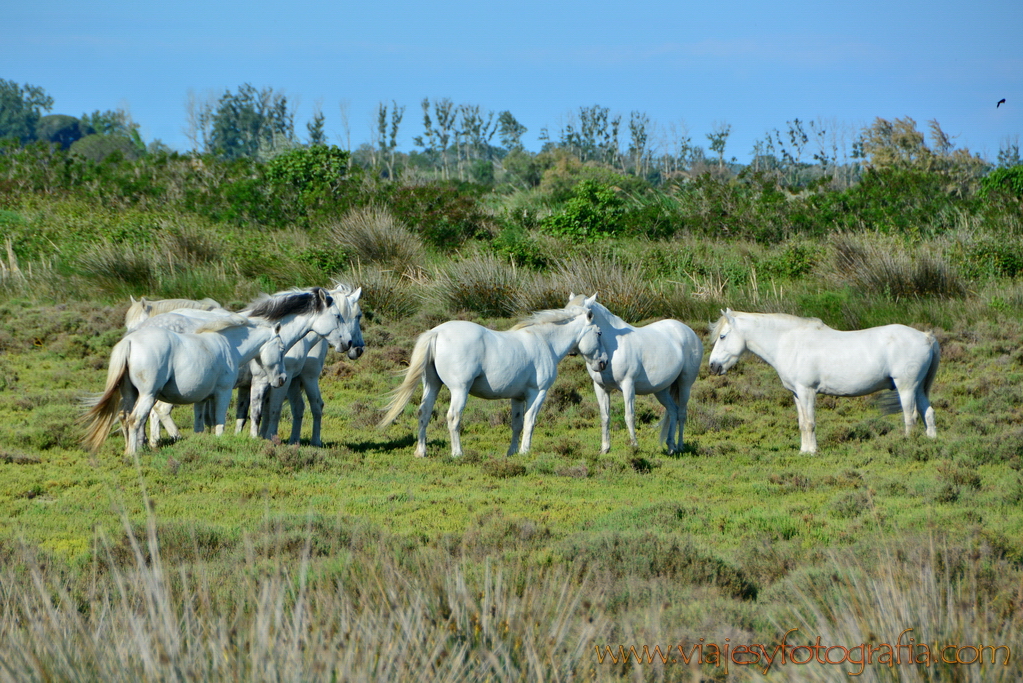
[293, 302]
[786, 318]
[342, 288]
[555, 316]
[598, 307]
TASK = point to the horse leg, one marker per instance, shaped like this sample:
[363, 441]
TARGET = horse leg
[518, 409]
[137, 422]
[161, 414]
[257, 395]
[241, 411]
[923, 404]
[297, 411]
[431, 387]
[312, 392]
[604, 403]
[682, 406]
[154, 426]
[534, 402]
[219, 403]
[805, 400]
[629, 394]
[670, 419]
[907, 397]
[199, 417]
[459, 395]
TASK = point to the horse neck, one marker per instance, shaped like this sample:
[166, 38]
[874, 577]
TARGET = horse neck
[762, 336]
[608, 320]
[294, 327]
[561, 338]
[246, 340]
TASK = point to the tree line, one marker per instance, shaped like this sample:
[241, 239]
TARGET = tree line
[466, 142]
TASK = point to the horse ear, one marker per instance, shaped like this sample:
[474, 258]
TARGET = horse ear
[277, 329]
[324, 296]
[591, 300]
[354, 296]
[571, 295]
[132, 299]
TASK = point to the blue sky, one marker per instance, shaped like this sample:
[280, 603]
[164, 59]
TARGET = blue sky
[753, 66]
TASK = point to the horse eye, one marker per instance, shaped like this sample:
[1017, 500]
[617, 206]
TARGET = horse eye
[722, 336]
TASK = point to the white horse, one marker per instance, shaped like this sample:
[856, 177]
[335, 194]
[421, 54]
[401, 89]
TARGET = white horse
[304, 362]
[810, 357]
[188, 321]
[520, 364]
[144, 312]
[662, 358]
[154, 363]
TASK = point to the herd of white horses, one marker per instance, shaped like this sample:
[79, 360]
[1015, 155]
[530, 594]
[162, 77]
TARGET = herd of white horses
[179, 352]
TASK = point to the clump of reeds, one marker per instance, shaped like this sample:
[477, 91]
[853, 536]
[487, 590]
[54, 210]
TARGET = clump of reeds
[481, 283]
[372, 235]
[888, 268]
[387, 294]
[947, 596]
[622, 287]
[432, 619]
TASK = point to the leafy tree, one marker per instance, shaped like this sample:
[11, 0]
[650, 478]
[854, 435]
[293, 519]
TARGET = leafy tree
[510, 131]
[110, 122]
[387, 144]
[1008, 153]
[898, 144]
[638, 122]
[719, 139]
[249, 123]
[438, 136]
[315, 128]
[594, 137]
[21, 107]
[475, 132]
[98, 147]
[61, 129]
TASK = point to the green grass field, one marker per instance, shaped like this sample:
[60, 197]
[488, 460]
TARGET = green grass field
[740, 536]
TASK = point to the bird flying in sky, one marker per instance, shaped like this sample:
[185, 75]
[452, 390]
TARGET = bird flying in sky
[1000, 103]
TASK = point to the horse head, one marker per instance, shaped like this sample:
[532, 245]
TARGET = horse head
[348, 303]
[588, 343]
[271, 357]
[729, 344]
[330, 324]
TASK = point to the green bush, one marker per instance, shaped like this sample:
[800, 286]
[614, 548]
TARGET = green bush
[595, 211]
[1007, 180]
[444, 216]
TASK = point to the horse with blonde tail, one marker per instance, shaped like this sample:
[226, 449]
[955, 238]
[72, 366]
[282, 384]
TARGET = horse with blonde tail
[812, 358]
[520, 364]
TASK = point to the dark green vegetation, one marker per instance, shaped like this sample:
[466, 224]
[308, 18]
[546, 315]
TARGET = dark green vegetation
[223, 559]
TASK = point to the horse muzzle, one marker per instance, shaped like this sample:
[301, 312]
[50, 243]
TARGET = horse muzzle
[717, 368]
[355, 352]
[279, 382]
[601, 365]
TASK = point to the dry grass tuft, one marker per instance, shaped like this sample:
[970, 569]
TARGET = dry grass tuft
[888, 268]
[623, 288]
[373, 235]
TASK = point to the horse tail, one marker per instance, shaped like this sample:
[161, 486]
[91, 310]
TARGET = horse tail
[104, 411]
[935, 359]
[422, 356]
